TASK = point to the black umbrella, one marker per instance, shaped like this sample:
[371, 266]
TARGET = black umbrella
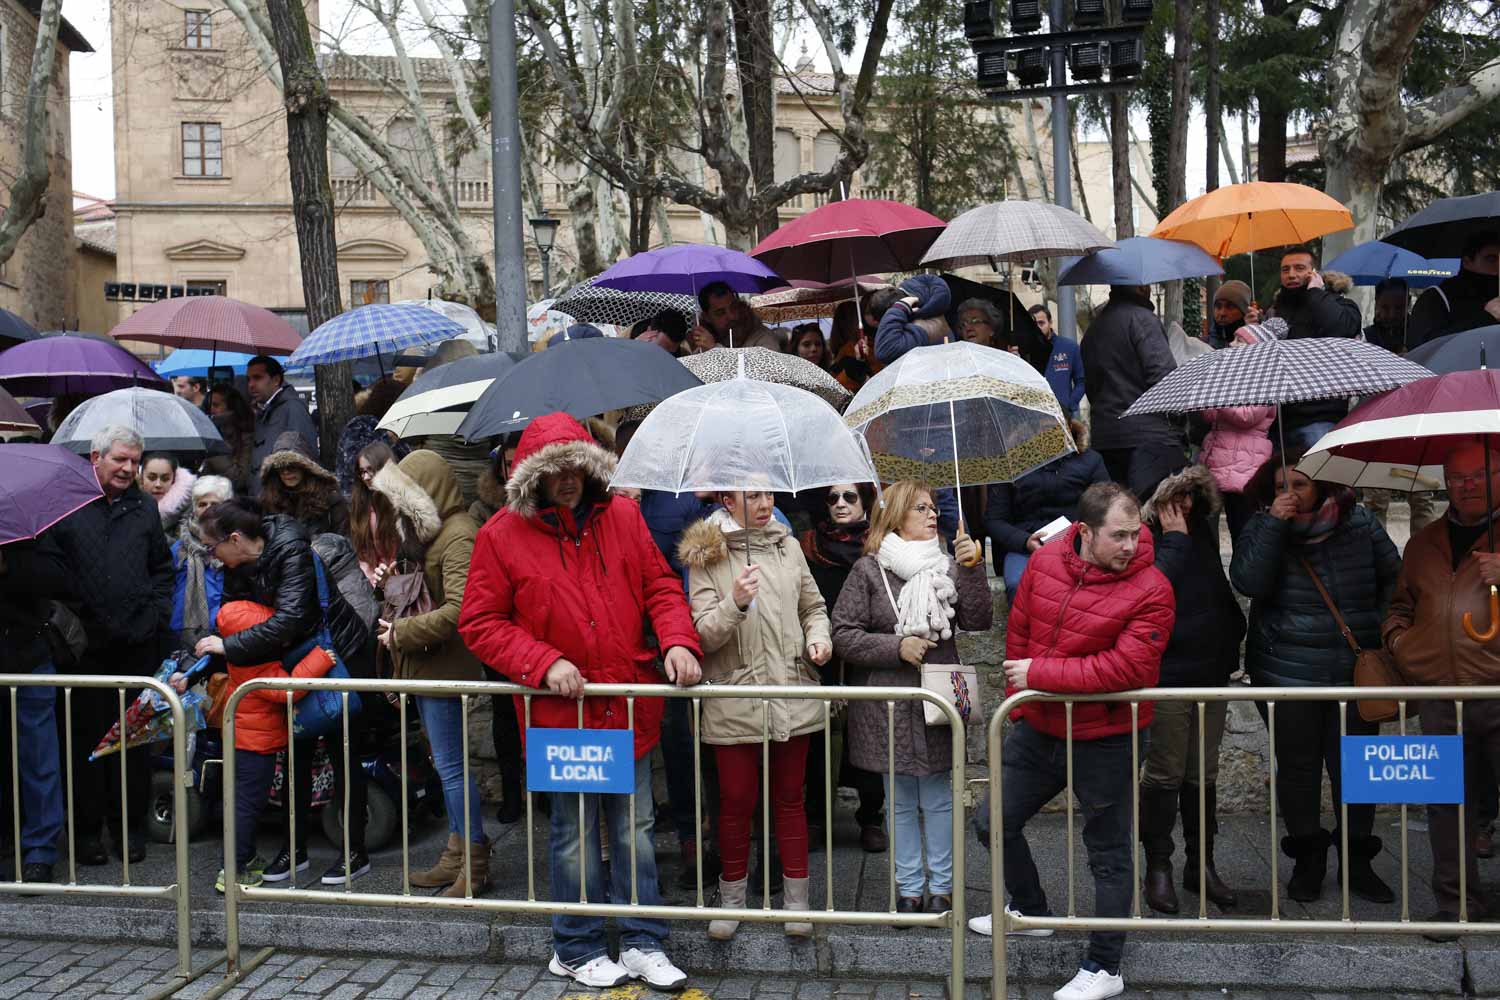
[1440, 229]
[14, 329]
[580, 377]
[1457, 352]
[474, 368]
[1033, 346]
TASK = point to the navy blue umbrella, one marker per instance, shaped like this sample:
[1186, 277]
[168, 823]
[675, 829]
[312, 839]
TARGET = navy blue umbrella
[1372, 262]
[1442, 227]
[14, 329]
[1458, 352]
[1140, 260]
[583, 378]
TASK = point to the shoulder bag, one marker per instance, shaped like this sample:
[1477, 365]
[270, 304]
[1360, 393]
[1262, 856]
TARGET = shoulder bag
[321, 712]
[1372, 667]
[955, 683]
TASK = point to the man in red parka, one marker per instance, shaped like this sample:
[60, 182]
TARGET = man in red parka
[559, 586]
[1092, 615]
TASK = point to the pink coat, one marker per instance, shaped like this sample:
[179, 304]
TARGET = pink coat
[1237, 446]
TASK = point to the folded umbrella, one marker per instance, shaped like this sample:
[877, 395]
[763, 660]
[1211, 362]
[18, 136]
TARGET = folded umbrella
[148, 719]
[167, 422]
[1372, 262]
[582, 378]
[687, 268]
[589, 302]
[1140, 260]
[51, 366]
[437, 401]
[40, 484]
[373, 330]
[1015, 231]
[212, 322]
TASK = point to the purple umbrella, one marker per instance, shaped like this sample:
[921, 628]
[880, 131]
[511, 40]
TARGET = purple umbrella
[55, 365]
[685, 268]
[40, 484]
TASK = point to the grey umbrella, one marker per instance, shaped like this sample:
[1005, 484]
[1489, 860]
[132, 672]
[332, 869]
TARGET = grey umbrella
[1014, 231]
[167, 422]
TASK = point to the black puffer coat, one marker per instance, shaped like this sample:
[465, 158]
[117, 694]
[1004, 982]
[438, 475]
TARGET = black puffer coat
[122, 572]
[283, 578]
[1014, 510]
[31, 573]
[1293, 639]
[1205, 645]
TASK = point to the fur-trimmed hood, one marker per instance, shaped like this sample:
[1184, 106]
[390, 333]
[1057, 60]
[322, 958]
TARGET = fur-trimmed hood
[705, 543]
[411, 502]
[1195, 479]
[178, 495]
[292, 450]
[550, 444]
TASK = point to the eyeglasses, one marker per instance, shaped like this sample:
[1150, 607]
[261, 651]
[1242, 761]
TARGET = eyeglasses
[847, 496]
[1477, 478]
[924, 509]
[366, 473]
[213, 547]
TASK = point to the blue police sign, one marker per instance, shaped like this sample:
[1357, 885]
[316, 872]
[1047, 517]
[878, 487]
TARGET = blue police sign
[1409, 769]
[581, 760]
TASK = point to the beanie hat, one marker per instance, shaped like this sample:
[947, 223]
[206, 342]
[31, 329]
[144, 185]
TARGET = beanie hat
[1236, 293]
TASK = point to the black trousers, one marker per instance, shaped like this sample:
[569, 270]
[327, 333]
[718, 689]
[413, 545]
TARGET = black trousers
[359, 781]
[1143, 467]
[1307, 746]
[97, 785]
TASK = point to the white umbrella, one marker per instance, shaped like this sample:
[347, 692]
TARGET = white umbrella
[743, 434]
[167, 422]
[476, 330]
[438, 400]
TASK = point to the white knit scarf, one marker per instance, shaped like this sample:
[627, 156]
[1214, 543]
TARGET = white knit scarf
[925, 607]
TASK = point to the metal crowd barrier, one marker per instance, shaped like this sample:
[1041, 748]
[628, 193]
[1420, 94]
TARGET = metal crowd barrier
[953, 921]
[177, 892]
[1272, 923]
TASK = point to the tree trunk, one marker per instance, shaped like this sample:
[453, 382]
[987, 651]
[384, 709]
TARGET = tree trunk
[1119, 164]
[1270, 151]
[753, 46]
[28, 192]
[307, 103]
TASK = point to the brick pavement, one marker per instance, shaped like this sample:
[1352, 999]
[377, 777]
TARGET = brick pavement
[84, 970]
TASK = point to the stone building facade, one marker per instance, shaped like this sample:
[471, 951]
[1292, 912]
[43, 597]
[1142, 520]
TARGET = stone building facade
[37, 281]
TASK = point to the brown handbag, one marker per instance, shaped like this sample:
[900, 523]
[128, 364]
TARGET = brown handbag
[1372, 667]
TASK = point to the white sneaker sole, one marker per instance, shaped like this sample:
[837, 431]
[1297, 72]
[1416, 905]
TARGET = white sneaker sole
[339, 879]
[672, 987]
[558, 969]
[283, 876]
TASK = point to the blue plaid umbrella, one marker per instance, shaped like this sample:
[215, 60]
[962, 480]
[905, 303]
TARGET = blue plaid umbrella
[373, 329]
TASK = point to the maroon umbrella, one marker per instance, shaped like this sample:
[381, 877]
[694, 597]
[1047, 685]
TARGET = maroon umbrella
[52, 366]
[14, 419]
[847, 238]
[211, 322]
[40, 484]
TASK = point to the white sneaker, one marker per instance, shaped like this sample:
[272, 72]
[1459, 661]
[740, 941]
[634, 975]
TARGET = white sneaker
[1091, 986]
[654, 968]
[600, 973]
[986, 925]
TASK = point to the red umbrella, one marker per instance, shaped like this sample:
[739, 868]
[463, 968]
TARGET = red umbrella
[848, 238]
[210, 322]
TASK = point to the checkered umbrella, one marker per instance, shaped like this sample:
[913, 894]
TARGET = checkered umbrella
[1014, 231]
[761, 365]
[1277, 372]
[589, 303]
[373, 329]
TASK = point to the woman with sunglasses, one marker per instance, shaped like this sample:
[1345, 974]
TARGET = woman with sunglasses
[899, 610]
[832, 548]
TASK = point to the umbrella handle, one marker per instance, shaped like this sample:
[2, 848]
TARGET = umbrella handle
[1494, 628]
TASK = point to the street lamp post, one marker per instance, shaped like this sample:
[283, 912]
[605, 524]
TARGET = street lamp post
[544, 232]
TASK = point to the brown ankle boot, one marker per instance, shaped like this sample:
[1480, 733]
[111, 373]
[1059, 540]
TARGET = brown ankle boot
[479, 863]
[1161, 896]
[449, 866]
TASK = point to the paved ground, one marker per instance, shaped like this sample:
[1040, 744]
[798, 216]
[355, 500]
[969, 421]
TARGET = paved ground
[33, 969]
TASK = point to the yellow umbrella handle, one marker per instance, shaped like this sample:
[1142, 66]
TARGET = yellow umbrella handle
[1494, 628]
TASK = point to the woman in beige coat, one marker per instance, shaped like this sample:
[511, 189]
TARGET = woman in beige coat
[431, 516]
[762, 621]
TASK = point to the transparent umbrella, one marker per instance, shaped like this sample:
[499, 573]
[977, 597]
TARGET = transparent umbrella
[743, 434]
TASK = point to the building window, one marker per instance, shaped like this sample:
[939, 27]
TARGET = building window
[199, 31]
[364, 293]
[202, 149]
[208, 287]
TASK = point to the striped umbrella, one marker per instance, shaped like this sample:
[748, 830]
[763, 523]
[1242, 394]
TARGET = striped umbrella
[373, 329]
[1015, 231]
[212, 322]
[588, 302]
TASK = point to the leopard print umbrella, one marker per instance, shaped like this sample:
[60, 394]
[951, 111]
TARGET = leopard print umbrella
[761, 365]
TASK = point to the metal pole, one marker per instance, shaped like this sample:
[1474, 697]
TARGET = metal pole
[1062, 180]
[546, 274]
[505, 138]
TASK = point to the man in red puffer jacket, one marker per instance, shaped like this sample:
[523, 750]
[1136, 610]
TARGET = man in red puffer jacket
[1092, 615]
[559, 585]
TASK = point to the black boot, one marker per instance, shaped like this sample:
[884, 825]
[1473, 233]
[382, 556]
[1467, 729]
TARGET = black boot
[1363, 882]
[1158, 816]
[1311, 856]
[1219, 893]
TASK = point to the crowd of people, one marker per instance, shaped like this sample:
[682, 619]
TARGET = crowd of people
[524, 566]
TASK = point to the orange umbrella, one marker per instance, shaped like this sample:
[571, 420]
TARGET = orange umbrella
[1254, 216]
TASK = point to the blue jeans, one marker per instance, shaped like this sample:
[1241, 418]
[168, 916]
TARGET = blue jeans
[578, 940]
[443, 718]
[933, 794]
[253, 774]
[1011, 569]
[38, 761]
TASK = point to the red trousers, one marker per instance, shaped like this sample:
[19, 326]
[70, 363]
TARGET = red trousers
[739, 788]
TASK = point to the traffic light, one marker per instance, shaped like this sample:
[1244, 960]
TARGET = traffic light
[1025, 16]
[1136, 11]
[979, 19]
[1089, 13]
[993, 70]
[1086, 60]
[177, 291]
[1032, 66]
[127, 291]
[1125, 58]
